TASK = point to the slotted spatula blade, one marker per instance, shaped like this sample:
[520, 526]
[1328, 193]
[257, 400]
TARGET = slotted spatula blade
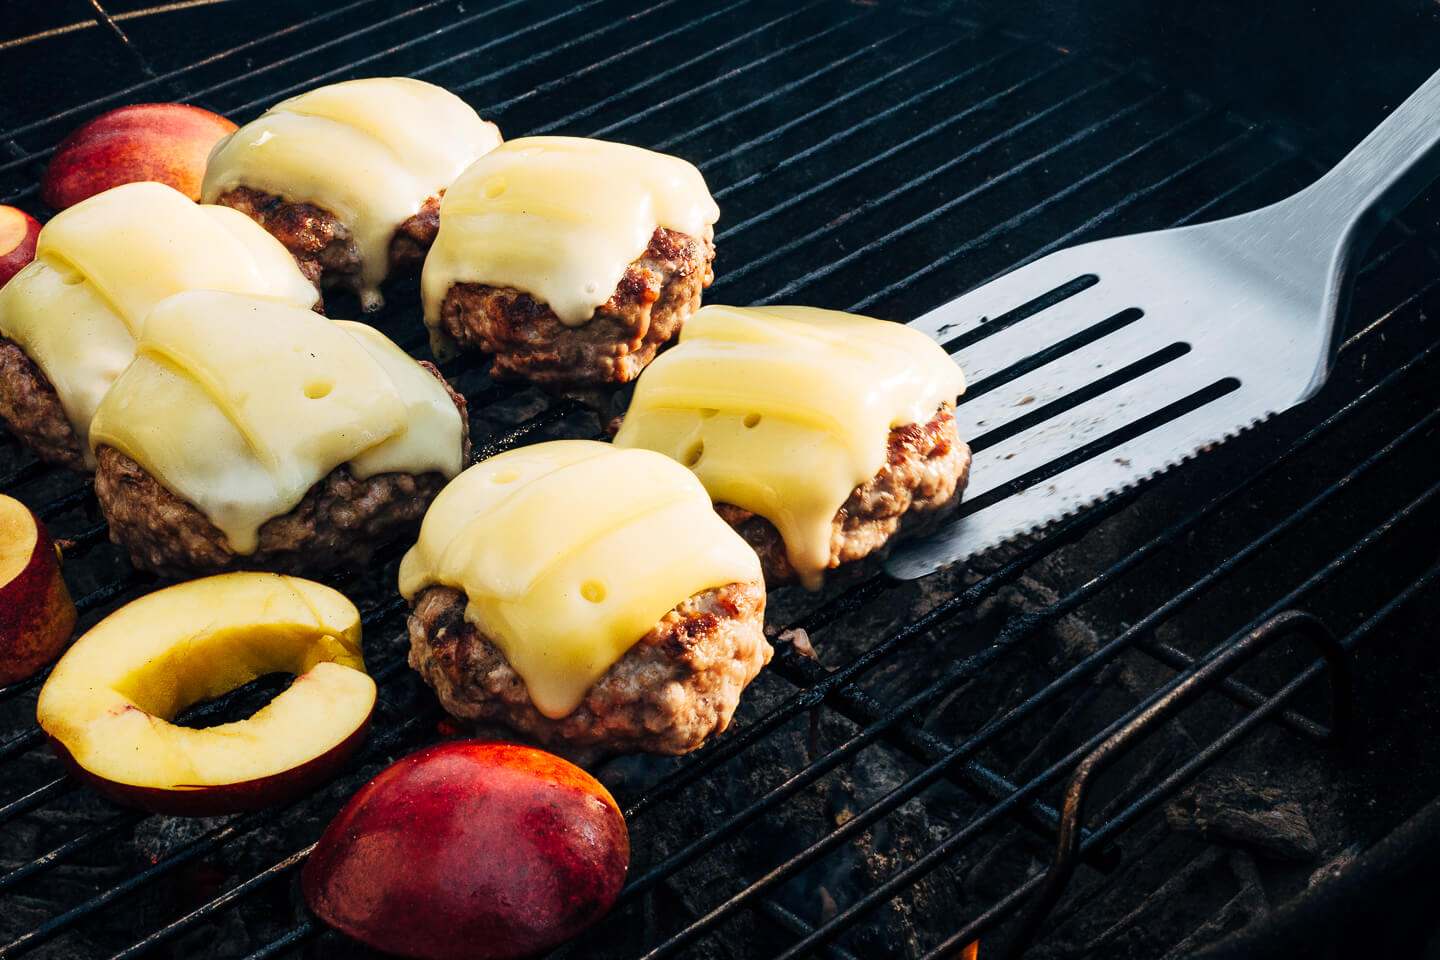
[1102, 365]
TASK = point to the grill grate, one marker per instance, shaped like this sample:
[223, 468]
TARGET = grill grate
[878, 161]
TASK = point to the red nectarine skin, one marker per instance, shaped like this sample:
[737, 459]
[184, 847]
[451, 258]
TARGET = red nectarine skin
[18, 233]
[37, 616]
[166, 142]
[471, 850]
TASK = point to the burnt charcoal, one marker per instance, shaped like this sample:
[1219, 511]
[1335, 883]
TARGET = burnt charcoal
[1336, 865]
[1232, 809]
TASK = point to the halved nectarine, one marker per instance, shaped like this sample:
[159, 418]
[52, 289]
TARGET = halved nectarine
[470, 850]
[107, 705]
[166, 142]
[36, 613]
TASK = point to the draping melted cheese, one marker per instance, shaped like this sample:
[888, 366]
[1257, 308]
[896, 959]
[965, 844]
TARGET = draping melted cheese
[784, 410]
[240, 404]
[101, 265]
[560, 218]
[369, 151]
[570, 552]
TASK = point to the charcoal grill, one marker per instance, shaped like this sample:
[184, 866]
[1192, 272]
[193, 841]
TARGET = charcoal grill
[987, 753]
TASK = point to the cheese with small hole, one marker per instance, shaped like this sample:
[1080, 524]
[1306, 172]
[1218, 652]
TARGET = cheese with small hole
[369, 151]
[101, 265]
[240, 404]
[560, 218]
[571, 551]
[784, 410]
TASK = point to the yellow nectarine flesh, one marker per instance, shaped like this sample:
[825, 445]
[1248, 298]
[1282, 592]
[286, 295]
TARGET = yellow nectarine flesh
[18, 233]
[37, 615]
[108, 703]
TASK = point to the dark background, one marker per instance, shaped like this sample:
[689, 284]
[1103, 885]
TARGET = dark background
[1326, 72]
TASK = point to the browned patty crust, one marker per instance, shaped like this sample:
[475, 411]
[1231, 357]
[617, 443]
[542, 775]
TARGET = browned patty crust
[323, 245]
[925, 471]
[339, 522]
[658, 291]
[677, 685]
[31, 408]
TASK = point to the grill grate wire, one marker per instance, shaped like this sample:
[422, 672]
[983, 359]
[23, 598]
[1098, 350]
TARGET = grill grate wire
[1089, 129]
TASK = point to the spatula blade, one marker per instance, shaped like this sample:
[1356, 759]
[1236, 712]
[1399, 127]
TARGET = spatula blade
[1019, 498]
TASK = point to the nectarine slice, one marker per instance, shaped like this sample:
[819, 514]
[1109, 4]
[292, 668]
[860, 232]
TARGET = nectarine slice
[36, 613]
[470, 850]
[108, 703]
[18, 233]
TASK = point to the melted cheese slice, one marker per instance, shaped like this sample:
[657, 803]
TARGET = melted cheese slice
[240, 404]
[783, 411]
[369, 151]
[101, 265]
[570, 552]
[560, 218]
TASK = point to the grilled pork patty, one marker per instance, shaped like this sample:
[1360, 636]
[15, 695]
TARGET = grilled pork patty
[925, 471]
[340, 521]
[658, 291]
[31, 408]
[323, 245]
[677, 685]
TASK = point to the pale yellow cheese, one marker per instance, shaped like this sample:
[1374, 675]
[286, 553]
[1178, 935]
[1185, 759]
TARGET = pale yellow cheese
[560, 218]
[429, 413]
[784, 410]
[570, 552]
[240, 404]
[370, 151]
[101, 265]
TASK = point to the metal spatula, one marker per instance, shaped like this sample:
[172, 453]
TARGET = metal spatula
[1103, 364]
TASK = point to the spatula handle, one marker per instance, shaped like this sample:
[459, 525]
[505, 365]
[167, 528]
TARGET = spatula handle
[1382, 174]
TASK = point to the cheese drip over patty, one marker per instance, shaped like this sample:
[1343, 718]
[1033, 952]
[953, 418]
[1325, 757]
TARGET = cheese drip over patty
[559, 218]
[569, 552]
[369, 151]
[783, 411]
[101, 265]
[240, 405]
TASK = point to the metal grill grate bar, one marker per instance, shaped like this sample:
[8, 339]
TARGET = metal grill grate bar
[872, 204]
[652, 79]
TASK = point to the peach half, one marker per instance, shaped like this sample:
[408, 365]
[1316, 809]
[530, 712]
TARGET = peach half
[470, 850]
[166, 142]
[108, 703]
[36, 612]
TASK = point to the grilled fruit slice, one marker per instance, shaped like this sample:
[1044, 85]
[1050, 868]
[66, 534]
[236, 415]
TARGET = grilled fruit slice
[471, 850]
[108, 703]
[18, 233]
[36, 613]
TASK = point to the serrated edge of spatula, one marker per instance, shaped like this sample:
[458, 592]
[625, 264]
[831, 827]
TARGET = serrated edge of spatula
[915, 557]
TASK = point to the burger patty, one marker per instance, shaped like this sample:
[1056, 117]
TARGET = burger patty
[339, 522]
[32, 409]
[925, 470]
[323, 245]
[658, 291]
[675, 687]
